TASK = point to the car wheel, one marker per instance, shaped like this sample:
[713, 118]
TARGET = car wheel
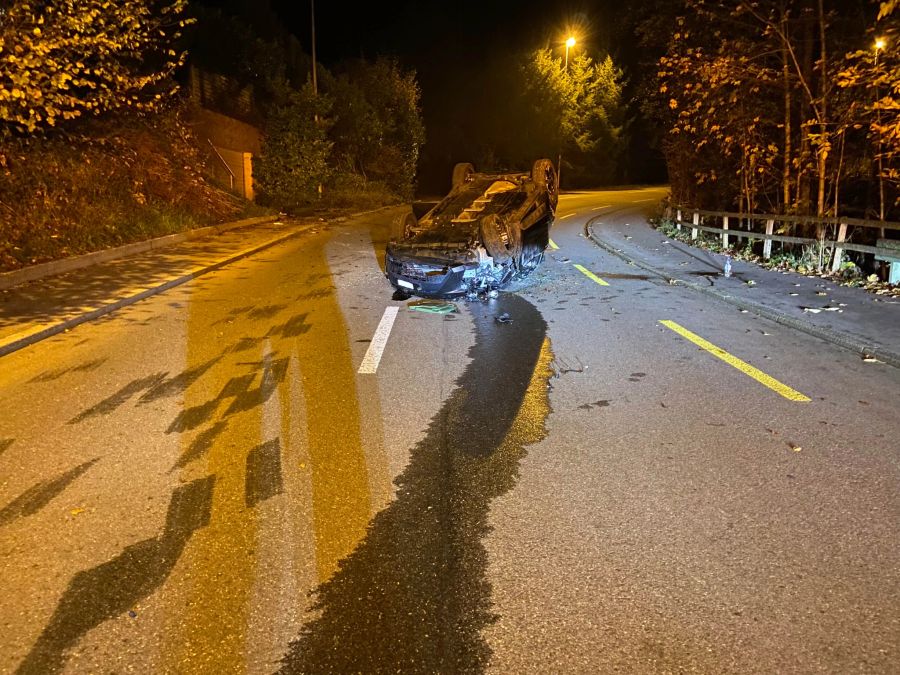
[543, 173]
[501, 238]
[403, 225]
[462, 173]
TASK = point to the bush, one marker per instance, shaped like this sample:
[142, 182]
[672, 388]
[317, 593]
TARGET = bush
[295, 154]
[132, 178]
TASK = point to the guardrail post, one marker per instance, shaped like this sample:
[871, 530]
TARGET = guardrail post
[838, 250]
[678, 219]
[767, 244]
[725, 235]
[696, 222]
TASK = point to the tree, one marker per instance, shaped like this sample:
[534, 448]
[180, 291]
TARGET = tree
[577, 111]
[295, 154]
[873, 78]
[378, 126]
[61, 59]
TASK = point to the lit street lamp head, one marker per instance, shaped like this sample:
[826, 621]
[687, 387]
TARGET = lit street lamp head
[879, 44]
[570, 42]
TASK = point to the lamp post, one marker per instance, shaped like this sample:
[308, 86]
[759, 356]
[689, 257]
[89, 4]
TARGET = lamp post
[570, 42]
[879, 45]
[315, 80]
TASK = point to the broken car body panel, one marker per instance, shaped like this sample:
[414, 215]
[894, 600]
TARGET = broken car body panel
[489, 229]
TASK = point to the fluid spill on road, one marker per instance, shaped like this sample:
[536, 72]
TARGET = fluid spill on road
[414, 596]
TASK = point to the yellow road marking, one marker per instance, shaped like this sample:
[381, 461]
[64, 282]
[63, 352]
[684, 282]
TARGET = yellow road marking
[590, 275]
[553, 245]
[746, 368]
[568, 215]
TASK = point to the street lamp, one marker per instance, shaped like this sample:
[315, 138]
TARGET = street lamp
[880, 44]
[570, 42]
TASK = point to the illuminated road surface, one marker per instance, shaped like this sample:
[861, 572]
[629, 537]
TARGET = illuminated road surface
[276, 467]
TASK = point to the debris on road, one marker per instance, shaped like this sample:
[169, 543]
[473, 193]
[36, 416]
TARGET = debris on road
[560, 367]
[433, 307]
[503, 318]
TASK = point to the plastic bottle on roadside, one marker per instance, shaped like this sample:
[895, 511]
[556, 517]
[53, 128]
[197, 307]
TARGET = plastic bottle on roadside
[727, 265]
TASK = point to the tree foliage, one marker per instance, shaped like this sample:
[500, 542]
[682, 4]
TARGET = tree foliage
[875, 82]
[62, 59]
[378, 127]
[296, 150]
[577, 111]
[768, 102]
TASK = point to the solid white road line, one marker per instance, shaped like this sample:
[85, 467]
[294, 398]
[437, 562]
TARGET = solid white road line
[372, 358]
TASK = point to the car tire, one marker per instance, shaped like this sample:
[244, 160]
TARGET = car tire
[501, 238]
[462, 173]
[403, 226]
[543, 174]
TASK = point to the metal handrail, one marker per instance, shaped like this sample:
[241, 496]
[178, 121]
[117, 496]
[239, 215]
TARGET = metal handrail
[224, 163]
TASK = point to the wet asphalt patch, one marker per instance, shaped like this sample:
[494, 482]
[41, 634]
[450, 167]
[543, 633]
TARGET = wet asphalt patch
[414, 595]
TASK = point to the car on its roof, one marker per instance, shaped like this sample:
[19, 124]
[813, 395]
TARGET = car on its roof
[490, 229]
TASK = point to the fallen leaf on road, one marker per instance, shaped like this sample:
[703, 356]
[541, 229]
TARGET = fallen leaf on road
[77, 511]
[868, 358]
[795, 448]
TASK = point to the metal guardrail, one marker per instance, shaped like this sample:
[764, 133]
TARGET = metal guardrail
[839, 244]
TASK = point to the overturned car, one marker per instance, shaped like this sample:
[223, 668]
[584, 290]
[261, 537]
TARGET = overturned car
[489, 229]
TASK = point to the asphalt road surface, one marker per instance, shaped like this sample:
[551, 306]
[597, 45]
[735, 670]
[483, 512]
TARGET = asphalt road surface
[204, 482]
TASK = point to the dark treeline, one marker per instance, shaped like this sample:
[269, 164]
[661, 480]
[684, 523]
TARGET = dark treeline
[784, 106]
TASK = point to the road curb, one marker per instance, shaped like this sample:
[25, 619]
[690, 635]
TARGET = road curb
[54, 267]
[843, 340]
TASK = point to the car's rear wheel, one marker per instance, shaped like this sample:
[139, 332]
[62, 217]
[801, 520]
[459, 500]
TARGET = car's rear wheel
[543, 173]
[462, 173]
[501, 238]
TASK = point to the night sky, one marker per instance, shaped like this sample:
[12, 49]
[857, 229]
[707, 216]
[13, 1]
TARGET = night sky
[460, 51]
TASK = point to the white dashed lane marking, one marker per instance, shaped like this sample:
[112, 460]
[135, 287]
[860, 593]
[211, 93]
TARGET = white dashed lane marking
[372, 358]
